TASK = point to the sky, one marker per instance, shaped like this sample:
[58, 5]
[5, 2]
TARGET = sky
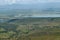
[4, 2]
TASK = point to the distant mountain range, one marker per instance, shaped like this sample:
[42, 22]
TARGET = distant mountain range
[26, 10]
[31, 6]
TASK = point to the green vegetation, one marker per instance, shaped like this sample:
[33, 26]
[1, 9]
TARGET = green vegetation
[31, 29]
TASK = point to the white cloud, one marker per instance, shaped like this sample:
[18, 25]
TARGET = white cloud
[25, 1]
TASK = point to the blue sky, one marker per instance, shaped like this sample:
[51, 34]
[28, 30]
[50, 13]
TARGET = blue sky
[4, 2]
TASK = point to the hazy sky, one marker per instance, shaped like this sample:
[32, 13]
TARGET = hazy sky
[3, 2]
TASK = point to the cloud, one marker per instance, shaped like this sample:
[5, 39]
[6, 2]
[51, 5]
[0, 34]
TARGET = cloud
[2, 2]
